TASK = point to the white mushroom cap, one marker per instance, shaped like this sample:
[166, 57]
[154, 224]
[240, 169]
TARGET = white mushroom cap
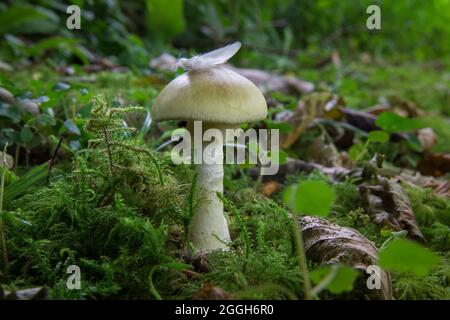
[213, 94]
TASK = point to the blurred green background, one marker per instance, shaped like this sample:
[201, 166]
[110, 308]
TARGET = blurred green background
[131, 31]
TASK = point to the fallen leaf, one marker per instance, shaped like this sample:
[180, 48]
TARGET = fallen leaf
[388, 205]
[210, 292]
[442, 189]
[399, 106]
[437, 164]
[440, 186]
[316, 105]
[366, 121]
[327, 243]
[199, 261]
[324, 153]
[270, 188]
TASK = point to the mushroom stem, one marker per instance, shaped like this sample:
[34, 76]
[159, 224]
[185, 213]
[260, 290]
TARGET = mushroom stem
[209, 227]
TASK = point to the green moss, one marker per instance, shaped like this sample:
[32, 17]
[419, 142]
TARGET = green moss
[433, 215]
[435, 286]
[113, 224]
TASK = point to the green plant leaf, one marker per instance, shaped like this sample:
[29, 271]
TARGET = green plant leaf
[26, 135]
[313, 198]
[27, 19]
[8, 84]
[278, 157]
[355, 150]
[45, 120]
[342, 278]
[289, 195]
[12, 113]
[391, 122]
[414, 143]
[284, 127]
[51, 43]
[404, 255]
[378, 136]
[25, 182]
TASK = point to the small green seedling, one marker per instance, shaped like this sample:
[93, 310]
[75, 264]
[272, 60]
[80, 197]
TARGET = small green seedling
[358, 150]
[335, 278]
[407, 256]
[313, 198]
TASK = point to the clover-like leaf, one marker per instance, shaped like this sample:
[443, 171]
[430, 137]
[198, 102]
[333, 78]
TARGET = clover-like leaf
[341, 278]
[392, 122]
[313, 198]
[404, 255]
[378, 136]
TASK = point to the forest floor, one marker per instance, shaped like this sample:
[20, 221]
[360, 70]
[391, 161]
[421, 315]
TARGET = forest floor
[126, 228]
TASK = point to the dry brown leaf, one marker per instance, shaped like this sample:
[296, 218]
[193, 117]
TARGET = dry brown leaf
[365, 121]
[437, 164]
[324, 153]
[210, 292]
[199, 261]
[440, 186]
[270, 188]
[400, 106]
[316, 105]
[327, 243]
[442, 189]
[388, 205]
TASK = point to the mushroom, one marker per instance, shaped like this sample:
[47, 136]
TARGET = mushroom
[221, 99]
